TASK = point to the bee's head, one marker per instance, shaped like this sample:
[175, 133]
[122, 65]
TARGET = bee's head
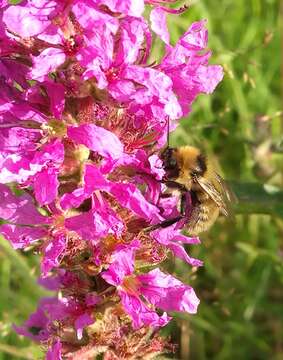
[184, 163]
[200, 166]
[192, 160]
[171, 166]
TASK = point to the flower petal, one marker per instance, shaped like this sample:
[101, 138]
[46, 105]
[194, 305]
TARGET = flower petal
[122, 265]
[52, 253]
[30, 19]
[141, 314]
[20, 210]
[167, 292]
[127, 7]
[55, 351]
[81, 322]
[174, 240]
[56, 93]
[159, 25]
[47, 61]
[46, 186]
[97, 139]
[93, 180]
[130, 197]
[97, 223]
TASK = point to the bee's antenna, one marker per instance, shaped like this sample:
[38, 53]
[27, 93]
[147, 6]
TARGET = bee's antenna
[168, 128]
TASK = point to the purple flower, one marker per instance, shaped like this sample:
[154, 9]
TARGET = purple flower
[45, 184]
[22, 159]
[54, 353]
[81, 322]
[22, 224]
[167, 292]
[188, 67]
[52, 252]
[93, 180]
[96, 223]
[158, 24]
[83, 117]
[35, 327]
[19, 18]
[97, 139]
[174, 241]
[159, 289]
[48, 60]
[128, 195]
[127, 7]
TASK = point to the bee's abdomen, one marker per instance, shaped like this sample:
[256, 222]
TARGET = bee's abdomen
[203, 216]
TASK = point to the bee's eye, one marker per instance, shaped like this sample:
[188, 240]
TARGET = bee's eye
[172, 163]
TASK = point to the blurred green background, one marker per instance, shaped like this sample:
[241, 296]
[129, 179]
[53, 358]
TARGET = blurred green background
[240, 127]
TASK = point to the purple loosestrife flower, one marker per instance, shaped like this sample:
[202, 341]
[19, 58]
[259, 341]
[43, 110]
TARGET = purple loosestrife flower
[154, 287]
[83, 117]
[20, 219]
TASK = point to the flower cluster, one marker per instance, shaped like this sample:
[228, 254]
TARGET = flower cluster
[83, 116]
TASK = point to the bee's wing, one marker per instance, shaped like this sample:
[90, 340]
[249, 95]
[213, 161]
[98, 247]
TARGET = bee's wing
[221, 195]
[228, 194]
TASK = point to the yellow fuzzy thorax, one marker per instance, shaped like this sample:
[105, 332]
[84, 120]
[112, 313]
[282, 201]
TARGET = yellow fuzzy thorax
[187, 159]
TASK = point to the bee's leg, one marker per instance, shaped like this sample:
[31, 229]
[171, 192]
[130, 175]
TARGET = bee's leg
[183, 204]
[164, 224]
[186, 204]
[165, 196]
[175, 185]
[169, 222]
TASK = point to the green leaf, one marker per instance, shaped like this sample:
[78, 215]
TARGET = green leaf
[255, 198]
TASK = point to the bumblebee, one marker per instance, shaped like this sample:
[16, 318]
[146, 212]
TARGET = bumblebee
[202, 192]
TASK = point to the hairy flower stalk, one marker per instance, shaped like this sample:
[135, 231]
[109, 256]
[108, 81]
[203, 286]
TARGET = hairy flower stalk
[83, 118]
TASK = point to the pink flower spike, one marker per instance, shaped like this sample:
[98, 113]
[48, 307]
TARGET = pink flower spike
[84, 115]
